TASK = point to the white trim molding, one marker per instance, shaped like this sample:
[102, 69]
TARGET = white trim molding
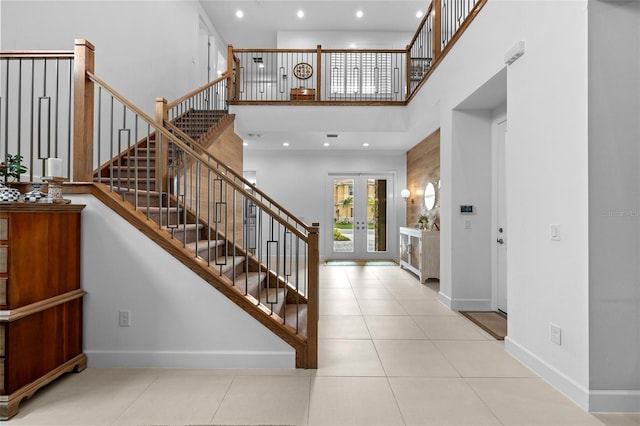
[189, 359]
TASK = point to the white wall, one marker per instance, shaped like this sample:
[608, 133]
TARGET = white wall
[471, 185]
[342, 40]
[614, 206]
[177, 320]
[298, 180]
[144, 49]
[546, 174]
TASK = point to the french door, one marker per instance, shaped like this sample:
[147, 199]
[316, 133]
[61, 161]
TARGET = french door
[360, 217]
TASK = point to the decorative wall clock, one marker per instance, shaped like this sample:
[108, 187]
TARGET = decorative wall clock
[303, 71]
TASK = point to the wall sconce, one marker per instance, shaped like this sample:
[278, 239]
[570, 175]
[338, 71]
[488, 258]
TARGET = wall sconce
[405, 193]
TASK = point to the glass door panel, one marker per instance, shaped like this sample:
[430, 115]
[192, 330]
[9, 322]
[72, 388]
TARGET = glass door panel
[343, 216]
[360, 217]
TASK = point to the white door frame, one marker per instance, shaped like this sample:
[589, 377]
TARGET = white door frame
[497, 304]
[392, 233]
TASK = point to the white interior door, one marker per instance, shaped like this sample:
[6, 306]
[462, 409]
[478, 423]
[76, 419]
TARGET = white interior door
[360, 217]
[502, 240]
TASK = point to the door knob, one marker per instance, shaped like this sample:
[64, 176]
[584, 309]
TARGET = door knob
[500, 241]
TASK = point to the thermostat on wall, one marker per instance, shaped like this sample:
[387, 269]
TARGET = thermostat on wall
[466, 209]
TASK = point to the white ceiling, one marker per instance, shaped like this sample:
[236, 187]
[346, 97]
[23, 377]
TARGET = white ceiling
[264, 18]
[258, 29]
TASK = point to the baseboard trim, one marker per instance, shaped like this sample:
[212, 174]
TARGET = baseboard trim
[614, 401]
[562, 383]
[465, 304]
[444, 299]
[190, 359]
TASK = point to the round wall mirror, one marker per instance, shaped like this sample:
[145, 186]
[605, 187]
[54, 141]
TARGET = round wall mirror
[430, 196]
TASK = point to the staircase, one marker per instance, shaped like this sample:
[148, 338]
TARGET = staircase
[214, 232]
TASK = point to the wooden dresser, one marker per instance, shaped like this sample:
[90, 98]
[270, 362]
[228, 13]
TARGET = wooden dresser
[40, 298]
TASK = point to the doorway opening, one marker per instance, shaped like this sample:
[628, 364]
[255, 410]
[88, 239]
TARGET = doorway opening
[361, 217]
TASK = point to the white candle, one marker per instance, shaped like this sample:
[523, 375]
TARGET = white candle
[54, 167]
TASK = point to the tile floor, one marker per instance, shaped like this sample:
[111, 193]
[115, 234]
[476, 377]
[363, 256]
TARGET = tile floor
[390, 354]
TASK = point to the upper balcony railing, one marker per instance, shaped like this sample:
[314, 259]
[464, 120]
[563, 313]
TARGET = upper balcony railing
[334, 76]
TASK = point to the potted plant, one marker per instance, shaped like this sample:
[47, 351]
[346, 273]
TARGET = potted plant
[12, 167]
[423, 220]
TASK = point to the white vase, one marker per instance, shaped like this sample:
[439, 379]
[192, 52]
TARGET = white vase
[9, 195]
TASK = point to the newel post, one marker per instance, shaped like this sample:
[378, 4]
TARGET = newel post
[162, 145]
[319, 73]
[437, 29]
[312, 296]
[84, 62]
[230, 76]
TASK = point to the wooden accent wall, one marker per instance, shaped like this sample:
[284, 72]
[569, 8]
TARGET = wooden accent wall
[227, 147]
[423, 165]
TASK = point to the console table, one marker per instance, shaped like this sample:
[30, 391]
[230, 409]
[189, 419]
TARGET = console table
[40, 298]
[420, 252]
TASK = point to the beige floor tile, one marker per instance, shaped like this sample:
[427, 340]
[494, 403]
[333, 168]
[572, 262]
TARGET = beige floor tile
[413, 293]
[482, 359]
[353, 401]
[348, 358]
[529, 401]
[197, 396]
[417, 358]
[619, 419]
[337, 283]
[69, 401]
[441, 402]
[450, 328]
[342, 327]
[370, 283]
[425, 307]
[394, 327]
[331, 294]
[340, 307]
[381, 307]
[372, 293]
[265, 400]
[359, 273]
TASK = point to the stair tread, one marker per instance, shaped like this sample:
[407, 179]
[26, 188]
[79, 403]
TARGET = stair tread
[205, 244]
[300, 311]
[187, 226]
[249, 282]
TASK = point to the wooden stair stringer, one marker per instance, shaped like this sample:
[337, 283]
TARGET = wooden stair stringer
[208, 138]
[199, 266]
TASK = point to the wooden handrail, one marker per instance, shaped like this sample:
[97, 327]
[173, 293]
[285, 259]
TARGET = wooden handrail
[212, 158]
[37, 54]
[198, 90]
[187, 149]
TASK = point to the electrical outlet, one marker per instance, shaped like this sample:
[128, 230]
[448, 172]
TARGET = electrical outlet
[555, 334]
[124, 318]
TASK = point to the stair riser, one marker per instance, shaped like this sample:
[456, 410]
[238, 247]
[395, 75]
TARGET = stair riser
[143, 184]
[211, 253]
[129, 173]
[137, 162]
[186, 236]
[152, 201]
[174, 217]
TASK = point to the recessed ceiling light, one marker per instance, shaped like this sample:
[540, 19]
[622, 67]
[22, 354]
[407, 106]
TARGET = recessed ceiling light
[365, 144]
[239, 13]
[419, 14]
[300, 13]
[359, 14]
[285, 144]
[326, 144]
[245, 144]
